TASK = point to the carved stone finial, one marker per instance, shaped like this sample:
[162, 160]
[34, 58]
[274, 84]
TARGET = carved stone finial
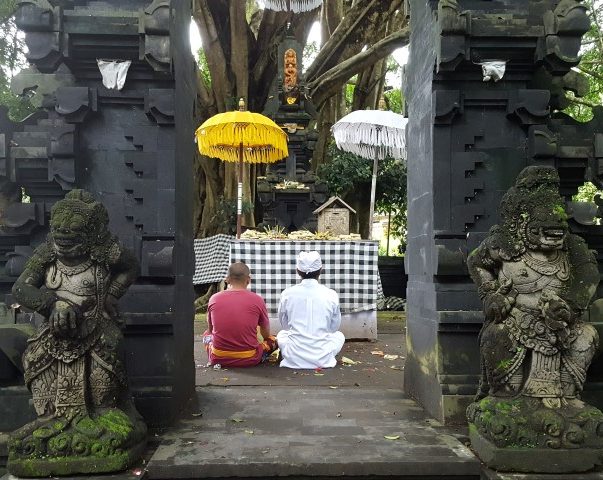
[73, 364]
[536, 281]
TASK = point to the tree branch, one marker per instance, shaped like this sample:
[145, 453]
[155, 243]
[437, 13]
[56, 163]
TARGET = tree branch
[326, 85]
[582, 101]
[341, 35]
[216, 59]
[239, 58]
[592, 73]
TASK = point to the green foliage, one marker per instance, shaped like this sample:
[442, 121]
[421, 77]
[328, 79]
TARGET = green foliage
[11, 61]
[586, 193]
[309, 53]
[225, 216]
[395, 100]
[349, 93]
[344, 172]
[591, 66]
[203, 68]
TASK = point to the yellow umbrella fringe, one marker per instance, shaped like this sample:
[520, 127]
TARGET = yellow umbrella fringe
[263, 140]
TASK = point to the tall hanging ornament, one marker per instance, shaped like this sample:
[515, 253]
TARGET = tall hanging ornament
[295, 6]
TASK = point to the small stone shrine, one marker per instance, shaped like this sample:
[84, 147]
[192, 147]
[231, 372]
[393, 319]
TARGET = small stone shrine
[536, 281]
[87, 422]
[290, 192]
[334, 216]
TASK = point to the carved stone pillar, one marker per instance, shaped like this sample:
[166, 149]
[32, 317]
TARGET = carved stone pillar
[132, 149]
[467, 141]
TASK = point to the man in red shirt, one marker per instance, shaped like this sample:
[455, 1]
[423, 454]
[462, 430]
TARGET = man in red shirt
[233, 318]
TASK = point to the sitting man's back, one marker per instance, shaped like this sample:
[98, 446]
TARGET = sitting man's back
[233, 318]
[310, 316]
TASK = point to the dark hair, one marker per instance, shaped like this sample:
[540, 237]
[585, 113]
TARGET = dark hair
[238, 272]
[314, 275]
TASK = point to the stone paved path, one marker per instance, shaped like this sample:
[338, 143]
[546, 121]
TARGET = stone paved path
[302, 431]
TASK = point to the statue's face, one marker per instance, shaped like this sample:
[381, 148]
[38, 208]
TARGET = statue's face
[68, 231]
[546, 229]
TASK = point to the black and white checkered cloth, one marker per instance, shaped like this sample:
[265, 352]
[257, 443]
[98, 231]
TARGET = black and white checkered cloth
[349, 268]
[212, 258]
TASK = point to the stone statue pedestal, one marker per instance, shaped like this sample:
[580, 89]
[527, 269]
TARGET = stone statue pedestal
[111, 441]
[522, 435]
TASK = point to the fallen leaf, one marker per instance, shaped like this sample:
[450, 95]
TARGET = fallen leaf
[395, 367]
[377, 352]
[391, 437]
[265, 451]
[348, 361]
[250, 432]
[225, 379]
[319, 374]
[332, 386]
[197, 414]
[390, 357]
[237, 420]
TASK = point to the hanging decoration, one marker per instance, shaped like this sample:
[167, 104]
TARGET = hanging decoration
[295, 6]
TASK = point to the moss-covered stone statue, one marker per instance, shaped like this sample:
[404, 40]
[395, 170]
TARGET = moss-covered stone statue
[86, 422]
[536, 281]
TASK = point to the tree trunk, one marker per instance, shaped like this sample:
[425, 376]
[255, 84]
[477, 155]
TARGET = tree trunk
[241, 63]
[359, 200]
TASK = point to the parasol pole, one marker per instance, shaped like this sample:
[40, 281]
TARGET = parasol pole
[240, 179]
[373, 188]
[240, 191]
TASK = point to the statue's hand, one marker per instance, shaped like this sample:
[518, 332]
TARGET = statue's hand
[111, 306]
[555, 310]
[498, 304]
[63, 319]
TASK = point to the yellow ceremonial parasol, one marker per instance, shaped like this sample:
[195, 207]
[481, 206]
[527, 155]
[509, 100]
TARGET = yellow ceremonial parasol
[242, 136]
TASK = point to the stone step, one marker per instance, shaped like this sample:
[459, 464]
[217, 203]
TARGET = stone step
[251, 432]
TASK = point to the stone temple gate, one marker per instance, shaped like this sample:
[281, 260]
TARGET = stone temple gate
[133, 148]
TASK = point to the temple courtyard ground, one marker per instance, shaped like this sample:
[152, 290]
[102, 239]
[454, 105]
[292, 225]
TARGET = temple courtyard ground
[350, 422]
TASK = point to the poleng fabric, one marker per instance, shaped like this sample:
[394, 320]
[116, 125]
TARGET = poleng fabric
[212, 258]
[349, 268]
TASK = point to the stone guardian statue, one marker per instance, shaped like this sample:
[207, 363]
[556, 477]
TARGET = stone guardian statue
[536, 281]
[73, 365]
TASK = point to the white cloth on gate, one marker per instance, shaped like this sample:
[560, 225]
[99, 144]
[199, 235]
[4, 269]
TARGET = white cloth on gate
[114, 72]
[310, 316]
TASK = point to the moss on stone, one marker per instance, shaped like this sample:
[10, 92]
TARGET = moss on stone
[67, 465]
[560, 212]
[116, 421]
[504, 365]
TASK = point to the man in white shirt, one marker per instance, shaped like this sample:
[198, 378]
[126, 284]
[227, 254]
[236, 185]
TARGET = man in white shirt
[310, 316]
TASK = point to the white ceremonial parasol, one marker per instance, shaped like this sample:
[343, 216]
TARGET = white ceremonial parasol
[373, 134]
